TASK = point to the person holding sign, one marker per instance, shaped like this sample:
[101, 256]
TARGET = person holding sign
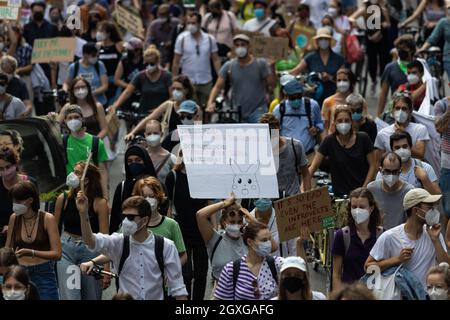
[250, 78]
[344, 147]
[352, 244]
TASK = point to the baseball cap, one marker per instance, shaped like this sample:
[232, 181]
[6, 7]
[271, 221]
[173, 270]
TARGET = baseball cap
[242, 37]
[188, 106]
[293, 87]
[285, 78]
[293, 262]
[133, 44]
[73, 108]
[415, 196]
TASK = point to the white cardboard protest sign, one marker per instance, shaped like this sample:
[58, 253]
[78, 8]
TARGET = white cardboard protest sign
[225, 158]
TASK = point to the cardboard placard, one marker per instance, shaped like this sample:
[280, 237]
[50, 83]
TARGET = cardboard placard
[113, 123]
[14, 3]
[273, 47]
[53, 50]
[130, 21]
[310, 209]
[9, 13]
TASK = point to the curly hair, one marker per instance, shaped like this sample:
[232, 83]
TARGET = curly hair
[152, 183]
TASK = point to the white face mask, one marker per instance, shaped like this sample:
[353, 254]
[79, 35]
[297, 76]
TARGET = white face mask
[74, 125]
[413, 79]
[92, 60]
[343, 86]
[187, 121]
[360, 215]
[404, 154]
[192, 28]
[264, 248]
[129, 228]
[178, 95]
[152, 68]
[81, 93]
[333, 12]
[233, 230]
[72, 180]
[390, 179]
[323, 43]
[343, 128]
[100, 36]
[432, 217]
[19, 209]
[13, 295]
[438, 293]
[400, 116]
[153, 203]
[154, 140]
[241, 52]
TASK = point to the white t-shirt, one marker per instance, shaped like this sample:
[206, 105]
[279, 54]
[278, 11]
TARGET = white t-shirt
[392, 241]
[195, 58]
[338, 46]
[254, 25]
[417, 131]
[317, 10]
[410, 177]
[342, 23]
[289, 248]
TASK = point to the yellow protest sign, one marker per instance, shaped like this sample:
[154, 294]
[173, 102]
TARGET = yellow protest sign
[271, 47]
[53, 50]
[310, 209]
[130, 21]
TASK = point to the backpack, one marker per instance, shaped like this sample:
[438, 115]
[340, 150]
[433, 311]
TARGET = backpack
[159, 254]
[94, 148]
[346, 236]
[76, 68]
[5, 106]
[283, 114]
[237, 266]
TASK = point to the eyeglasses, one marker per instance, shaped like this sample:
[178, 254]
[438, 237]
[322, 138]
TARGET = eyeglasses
[189, 117]
[394, 172]
[256, 292]
[130, 217]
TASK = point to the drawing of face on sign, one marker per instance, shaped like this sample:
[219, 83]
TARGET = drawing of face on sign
[245, 181]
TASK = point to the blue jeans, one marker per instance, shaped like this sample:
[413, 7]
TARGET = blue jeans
[72, 284]
[444, 183]
[254, 116]
[44, 277]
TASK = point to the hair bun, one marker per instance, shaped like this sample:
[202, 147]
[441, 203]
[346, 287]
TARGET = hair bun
[444, 265]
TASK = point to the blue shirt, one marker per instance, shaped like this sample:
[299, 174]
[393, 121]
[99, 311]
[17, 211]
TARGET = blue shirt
[297, 127]
[91, 75]
[442, 31]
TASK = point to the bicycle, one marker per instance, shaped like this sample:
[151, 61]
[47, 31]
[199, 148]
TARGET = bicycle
[361, 67]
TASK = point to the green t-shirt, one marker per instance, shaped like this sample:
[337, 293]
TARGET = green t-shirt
[170, 229]
[79, 149]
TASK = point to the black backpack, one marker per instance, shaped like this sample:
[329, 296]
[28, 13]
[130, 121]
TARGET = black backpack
[307, 109]
[237, 266]
[94, 148]
[159, 254]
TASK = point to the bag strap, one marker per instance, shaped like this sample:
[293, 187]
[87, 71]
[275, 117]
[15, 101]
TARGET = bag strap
[65, 141]
[264, 25]
[76, 68]
[94, 150]
[273, 269]
[174, 185]
[215, 248]
[346, 237]
[97, 68]
[123, 257]
[159, 253]
[308, 110]
[162, 163]
[282, 112]
[236, 268]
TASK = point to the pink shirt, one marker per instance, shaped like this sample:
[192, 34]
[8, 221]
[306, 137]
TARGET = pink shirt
[227, 25]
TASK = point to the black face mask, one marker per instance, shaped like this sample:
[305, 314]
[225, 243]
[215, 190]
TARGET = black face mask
[403, 55]
[216, 14]
[93, 24]
[38, 16]
[136, 169]
[292, 284]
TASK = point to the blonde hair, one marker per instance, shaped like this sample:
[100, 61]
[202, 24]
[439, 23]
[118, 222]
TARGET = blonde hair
[152, 50]
[152, 183]
[8, 61]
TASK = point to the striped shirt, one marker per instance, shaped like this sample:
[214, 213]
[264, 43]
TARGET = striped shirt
[23, 55]
[439, 109]
[248, 286]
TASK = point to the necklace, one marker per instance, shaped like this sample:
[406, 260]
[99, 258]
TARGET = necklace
[29, 234]
[341, 142]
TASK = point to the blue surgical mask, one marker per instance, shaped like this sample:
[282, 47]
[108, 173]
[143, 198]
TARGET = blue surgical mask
[356, 116]
[263, 204]
[259, 13]
[264, 248]
[295, 104]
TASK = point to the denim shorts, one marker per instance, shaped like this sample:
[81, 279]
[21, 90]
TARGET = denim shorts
[44, 277]
[444, 183]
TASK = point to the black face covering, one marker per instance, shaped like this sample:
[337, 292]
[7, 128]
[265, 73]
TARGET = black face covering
[93, 24]
[292, 284]
[216, 14]
[403, 55]
[38, 16]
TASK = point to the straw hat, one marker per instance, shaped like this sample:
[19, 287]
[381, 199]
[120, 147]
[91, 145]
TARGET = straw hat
[324, 33]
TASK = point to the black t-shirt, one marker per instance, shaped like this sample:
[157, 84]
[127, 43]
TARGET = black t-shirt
[18, 88]
[370, 128]
[349, 167]
[186, 208]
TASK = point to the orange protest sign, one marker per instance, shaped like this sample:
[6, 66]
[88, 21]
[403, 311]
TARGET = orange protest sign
[310, 209]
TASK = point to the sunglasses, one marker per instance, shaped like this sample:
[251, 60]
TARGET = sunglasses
[232, 214]
[256, 292]
[189, 117]
[130, 217]
[394, 172]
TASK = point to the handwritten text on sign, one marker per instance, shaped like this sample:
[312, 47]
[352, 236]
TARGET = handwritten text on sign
[275, 47]
[302, 210]
[53, 50]
[9, 13]
[129, 21]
